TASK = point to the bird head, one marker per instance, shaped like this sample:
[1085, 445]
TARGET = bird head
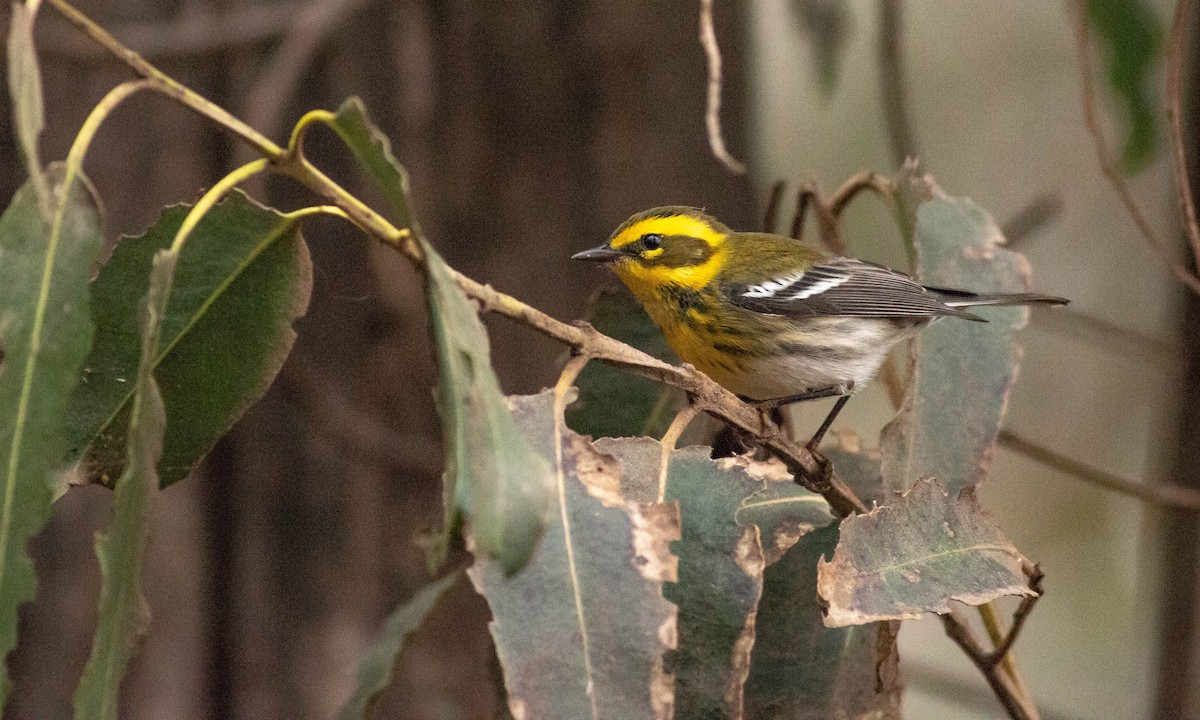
[679, 246]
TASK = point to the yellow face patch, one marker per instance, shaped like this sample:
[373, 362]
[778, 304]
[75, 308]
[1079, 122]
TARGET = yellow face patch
[670, 225]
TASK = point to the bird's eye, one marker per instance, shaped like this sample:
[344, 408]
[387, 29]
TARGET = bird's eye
[652, 242]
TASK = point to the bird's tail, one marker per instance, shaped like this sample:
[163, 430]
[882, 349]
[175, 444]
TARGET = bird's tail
[962, 298]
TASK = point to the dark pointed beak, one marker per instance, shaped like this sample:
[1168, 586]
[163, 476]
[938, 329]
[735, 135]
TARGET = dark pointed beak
[600, 254]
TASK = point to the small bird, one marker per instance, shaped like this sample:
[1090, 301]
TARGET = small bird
[768, 317]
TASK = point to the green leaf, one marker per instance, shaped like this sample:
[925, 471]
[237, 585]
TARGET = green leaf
[1130, 29]
[613, 403]
[123, 615]
[916, 555]
[802, 670]
[782, 510]
[582, 629]
[826, 23]
[25, 91]
[378, 666]
[374, 152]
[45, 331]
[962, 371]
[243, 279]
[501, 486]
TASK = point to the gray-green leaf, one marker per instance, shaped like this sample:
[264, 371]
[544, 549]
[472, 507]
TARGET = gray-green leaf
[962, 371]
[494, 478]
[582, 629]
[915, 556]
[25, 92]
[45, 331]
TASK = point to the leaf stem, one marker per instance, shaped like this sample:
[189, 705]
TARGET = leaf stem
[213, 196]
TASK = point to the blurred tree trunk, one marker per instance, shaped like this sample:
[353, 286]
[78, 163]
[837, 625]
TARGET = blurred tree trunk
[530, 130]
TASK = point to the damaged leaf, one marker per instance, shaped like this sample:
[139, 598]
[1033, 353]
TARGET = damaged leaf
[582, 629]
[802, 670]
[915, 556]
[962, 371]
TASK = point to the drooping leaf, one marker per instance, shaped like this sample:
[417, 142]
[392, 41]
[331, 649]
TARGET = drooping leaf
[25, 93]
[378, 666]
[613, 403]
[826, 24]
[494, 478]
[582, 629]
[123, 615]
[243, 279]
[917, 554]
[962, 371]
[1131, 32]
[802, 670]
[859, 467]
[374, 152]
[45, 331]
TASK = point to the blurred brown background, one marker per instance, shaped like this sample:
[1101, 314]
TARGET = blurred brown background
[530, 130]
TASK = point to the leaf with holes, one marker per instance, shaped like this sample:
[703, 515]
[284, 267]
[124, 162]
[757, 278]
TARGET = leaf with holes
[962, 371]
[243, 279]
[916, 555]
[45, 331]
[582, 629]
[802, 670]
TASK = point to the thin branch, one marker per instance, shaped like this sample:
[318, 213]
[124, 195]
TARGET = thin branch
[712, 113]
[865, 180]
[891, 76]
[1173, 496]
[1107, 165]
[770, 216]
[198, 33]
[1187, 204]
[1002, 685]
[1000, 654]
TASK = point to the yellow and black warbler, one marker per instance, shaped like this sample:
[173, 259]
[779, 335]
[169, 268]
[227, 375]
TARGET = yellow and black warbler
[768, 317]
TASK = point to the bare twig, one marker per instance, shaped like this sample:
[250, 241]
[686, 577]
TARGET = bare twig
[865, 180]
[770, 216]
[1107, 165]
[199, 33]
[1187, 204]
[1166, 495]
[712, 113]
[1006, 690]
[891, 76]
[1000, 654]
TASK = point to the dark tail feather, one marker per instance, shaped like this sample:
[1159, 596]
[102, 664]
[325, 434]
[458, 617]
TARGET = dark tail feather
[962, 298]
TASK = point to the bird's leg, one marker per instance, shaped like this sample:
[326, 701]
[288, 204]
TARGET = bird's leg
[820, 434]
[842, 392]
[831, 391]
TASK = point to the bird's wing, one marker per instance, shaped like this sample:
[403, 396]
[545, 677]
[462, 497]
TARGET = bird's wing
[842, 286]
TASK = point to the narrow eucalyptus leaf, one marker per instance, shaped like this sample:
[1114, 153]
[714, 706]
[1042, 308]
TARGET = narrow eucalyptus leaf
[25, 91]
[374, 152]
[45, 330]
[378, 666]
[494, 479]
[123, 615]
